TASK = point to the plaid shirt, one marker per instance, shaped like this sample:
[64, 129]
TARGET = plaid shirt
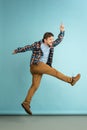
[37, 52]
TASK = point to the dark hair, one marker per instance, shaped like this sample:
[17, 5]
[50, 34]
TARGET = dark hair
[47, 34]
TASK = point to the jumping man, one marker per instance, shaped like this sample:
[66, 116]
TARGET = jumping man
[41, 63]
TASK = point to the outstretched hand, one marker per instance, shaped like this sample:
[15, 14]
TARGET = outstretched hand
[62, 28]
[14, 52]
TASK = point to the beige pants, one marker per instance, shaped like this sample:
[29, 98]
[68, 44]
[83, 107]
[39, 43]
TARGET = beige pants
[37, 71]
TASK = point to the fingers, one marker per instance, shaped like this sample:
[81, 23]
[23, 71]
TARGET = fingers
[62, 27]
[14, 52]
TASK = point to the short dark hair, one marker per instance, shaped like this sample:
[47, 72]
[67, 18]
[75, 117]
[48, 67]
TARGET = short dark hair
[47, 34]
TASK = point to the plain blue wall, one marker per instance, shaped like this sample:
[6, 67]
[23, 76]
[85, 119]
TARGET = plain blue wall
[24, 22]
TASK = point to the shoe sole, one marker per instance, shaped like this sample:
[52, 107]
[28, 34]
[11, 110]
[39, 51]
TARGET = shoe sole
[26, 109]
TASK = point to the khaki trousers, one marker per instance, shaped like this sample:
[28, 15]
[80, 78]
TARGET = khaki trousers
[37, 71]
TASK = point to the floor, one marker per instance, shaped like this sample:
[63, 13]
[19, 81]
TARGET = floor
[43, 122]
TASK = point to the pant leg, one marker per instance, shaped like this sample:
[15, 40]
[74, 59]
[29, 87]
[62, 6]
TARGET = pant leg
[42, 68]
[36, 78]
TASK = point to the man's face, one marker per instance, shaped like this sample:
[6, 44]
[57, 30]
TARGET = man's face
[49, 40]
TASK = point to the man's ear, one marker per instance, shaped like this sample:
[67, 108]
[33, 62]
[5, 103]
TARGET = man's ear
[44, 40]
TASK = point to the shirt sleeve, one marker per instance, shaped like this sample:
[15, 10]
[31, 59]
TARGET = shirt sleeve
[25, 48]
[59, 39]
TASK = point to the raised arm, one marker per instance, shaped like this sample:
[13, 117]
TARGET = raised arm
[60, 36]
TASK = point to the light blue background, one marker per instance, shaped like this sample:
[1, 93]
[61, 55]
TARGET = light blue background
[24, 22]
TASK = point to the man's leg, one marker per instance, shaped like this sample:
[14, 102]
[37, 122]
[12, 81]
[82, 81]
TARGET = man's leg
[42, 68]
[36, 78]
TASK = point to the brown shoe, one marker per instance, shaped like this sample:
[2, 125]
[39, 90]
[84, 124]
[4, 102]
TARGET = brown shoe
[75, 79]
[26, 107]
